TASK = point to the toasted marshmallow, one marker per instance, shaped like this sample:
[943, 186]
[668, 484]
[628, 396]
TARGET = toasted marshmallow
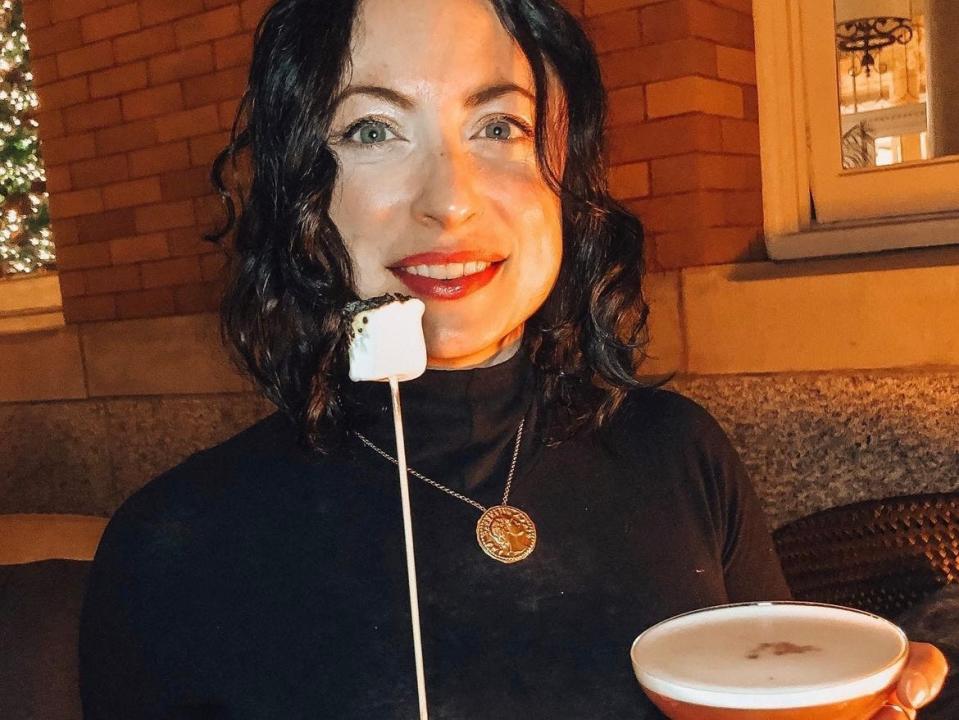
[386, 338]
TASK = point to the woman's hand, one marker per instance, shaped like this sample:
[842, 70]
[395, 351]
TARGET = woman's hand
[921, 681]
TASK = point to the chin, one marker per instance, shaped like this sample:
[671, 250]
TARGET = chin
[449, 345]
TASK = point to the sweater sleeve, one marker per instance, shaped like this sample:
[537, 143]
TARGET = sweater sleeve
[126, 668]
[117, 679]
[751, 564]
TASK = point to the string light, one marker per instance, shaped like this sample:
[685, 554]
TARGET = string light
[26, 241]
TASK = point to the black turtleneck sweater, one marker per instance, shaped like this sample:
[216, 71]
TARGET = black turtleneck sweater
[254, 582]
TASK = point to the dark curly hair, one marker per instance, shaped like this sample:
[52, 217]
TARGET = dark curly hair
[290, 274]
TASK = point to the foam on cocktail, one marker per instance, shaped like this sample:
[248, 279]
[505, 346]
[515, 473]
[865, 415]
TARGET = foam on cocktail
[769, 656]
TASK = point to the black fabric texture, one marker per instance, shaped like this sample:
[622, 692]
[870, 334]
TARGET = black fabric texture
[39, 611]
[253, 581]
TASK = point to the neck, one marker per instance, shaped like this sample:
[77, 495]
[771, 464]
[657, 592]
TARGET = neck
[494, 354]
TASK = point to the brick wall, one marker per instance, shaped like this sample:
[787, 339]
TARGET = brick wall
[683, 130]
[137, 97]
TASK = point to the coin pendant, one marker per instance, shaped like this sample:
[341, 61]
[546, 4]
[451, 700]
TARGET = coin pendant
[506, 533]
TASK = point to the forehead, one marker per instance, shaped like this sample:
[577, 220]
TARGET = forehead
[432, 46]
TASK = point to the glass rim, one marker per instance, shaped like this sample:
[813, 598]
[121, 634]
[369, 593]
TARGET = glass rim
[759, 699]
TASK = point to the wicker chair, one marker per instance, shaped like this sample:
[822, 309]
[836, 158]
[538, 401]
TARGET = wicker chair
[883, 556]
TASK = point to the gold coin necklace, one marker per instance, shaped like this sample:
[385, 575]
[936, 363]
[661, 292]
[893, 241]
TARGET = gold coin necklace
[504, 532]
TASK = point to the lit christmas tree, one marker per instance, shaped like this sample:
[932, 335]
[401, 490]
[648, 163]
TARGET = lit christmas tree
[26, 243]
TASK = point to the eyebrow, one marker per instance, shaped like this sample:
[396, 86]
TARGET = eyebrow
[483, 95]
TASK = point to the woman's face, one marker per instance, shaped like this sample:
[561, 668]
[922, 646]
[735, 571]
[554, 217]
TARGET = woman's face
[439, 194]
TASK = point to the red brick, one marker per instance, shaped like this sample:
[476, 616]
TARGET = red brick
[694, 94]
[71, 284]
[252, 10]
[55, 38]
[661, 138]
[107, 225]
[58, 179]
[37, 14]
[597, 7]
[183, 64]
[139, 248]
[78, 202]
[233, 51]
[157, 302]
[96, 172]
[708, 246]
[213, 265]
[209, 212]
[700, 171]
[184, 184]
[205, 148]
[127, 136]
[110, 23]
[88, 309]
[145, 43]
[112, 279]
[188, 123]
[177, 271]
[663, 61]
[744, 207]
[227, 111]
[118, 80]
[743, 6]
[196, 298]
[740, 136]
[69, 9]
[67, 149]
[188, 241]
[153, 218]
[84, 59]
[614, 31]
[64, 93]
[220, 85]
[50, 125]
[44, 71]
[132, 192]
[65, 232]
[736, 65]
[153, 12]
[682, 211]
[627, 106]
[207, 26]
[79, 257]
[92, 115]
[629, 181]
[696, 18]
[160, 159]
[153, 101]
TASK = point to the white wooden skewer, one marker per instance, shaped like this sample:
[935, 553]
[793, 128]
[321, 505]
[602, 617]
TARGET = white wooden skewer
[410, 560]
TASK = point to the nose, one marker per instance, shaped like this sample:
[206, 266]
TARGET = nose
[447, 196]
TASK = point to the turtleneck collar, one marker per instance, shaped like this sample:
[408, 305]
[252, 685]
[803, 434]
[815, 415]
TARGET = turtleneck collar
[460, 425]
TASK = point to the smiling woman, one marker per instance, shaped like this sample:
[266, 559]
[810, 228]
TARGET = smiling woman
[452, 150]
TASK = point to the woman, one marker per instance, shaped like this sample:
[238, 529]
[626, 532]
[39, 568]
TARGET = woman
[452, 151]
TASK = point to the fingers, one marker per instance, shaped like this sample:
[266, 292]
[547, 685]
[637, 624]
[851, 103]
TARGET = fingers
[894, 712]
[924, 675]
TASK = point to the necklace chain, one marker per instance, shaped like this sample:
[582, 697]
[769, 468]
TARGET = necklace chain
[450, 491]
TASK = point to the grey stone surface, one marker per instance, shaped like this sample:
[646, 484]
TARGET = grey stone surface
[808, 441]
[816, 441]
[87, 456]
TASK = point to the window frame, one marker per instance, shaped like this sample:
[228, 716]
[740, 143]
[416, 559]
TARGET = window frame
[856, 211]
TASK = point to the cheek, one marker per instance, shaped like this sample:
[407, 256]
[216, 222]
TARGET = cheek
[363, 209]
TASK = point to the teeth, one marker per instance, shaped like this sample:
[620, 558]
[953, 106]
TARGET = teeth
[449, 271]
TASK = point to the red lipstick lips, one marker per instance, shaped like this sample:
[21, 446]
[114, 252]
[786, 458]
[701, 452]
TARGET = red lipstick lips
[454, 288]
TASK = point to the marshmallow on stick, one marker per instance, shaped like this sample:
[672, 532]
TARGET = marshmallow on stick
[386, 343]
